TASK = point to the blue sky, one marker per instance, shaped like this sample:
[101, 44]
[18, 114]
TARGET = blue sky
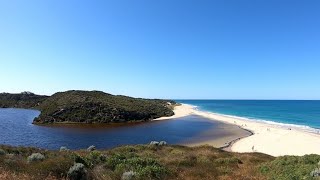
[226, 49]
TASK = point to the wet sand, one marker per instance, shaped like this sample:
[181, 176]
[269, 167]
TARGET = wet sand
[228, 135]
[225, 134]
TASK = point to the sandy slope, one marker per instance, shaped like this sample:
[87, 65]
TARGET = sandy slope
[270, 139]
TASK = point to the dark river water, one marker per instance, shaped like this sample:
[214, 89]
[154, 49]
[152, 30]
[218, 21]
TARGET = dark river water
[16, 129]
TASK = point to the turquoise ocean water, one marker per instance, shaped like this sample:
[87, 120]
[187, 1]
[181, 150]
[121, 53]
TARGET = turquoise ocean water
[300, 113]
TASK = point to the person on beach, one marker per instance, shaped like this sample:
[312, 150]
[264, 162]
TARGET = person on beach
[252, 148]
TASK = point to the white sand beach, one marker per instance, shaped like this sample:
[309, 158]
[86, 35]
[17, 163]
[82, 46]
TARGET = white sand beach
[179, 111]
[272, 139]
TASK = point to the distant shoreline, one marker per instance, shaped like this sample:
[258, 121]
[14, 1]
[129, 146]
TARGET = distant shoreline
[266, 138]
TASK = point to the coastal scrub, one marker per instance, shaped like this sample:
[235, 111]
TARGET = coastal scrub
[36, 157]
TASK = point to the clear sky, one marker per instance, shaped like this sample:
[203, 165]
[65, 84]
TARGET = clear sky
[226, 49]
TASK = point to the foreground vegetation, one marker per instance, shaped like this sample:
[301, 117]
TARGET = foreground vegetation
[88, 107]
[150, 162]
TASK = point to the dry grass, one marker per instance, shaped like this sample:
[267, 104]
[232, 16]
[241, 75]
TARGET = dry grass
[7, 175]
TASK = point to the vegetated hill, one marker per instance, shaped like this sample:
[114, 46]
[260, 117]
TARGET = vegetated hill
[88, 107]
[22, 100]
[152, 162]
[100, 107]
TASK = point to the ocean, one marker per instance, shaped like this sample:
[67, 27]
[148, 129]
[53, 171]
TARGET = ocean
[299, 113]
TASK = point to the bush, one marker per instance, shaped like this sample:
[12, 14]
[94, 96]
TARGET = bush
[163, 143]
[103, 158]
[128, 175]
[230, 160]
[2, 152]
[188, 161]
[315, 173]
[95, 157]
[152, 172]
[154, 143]
[56, 166]
[144, 168]
[64, 149]
[82, 160]
[77, 172]
[35, 157]
[115, 160]
[291, 167]
[91, 148]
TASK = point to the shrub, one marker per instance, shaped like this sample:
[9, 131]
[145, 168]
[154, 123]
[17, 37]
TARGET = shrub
[2, 152]
[77, 172]
[315, 173]
[177, 152]
[154, 143]
[95, 157]
[291, 167]
[128, 175]
[188, 161]
[103, 158]
[11, 161]
[56, 166]
[35, 157]
[82, 160]
[163, 143]
[144, 168]
[91, 148]
[152, 172]
[115, 160]
[230, 160]
[64, 149]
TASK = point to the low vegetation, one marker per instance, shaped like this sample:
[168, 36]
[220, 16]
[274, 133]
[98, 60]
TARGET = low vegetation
[2, 152]
[292, 167]
[23, 100]
[88, 107]
[35, 157]
[77, 172]
[152, 162]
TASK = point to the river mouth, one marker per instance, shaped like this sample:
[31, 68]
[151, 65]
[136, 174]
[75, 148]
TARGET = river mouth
[17, 130]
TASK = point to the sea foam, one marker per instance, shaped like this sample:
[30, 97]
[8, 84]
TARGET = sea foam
[268, 122]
